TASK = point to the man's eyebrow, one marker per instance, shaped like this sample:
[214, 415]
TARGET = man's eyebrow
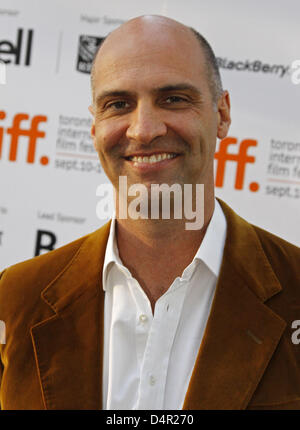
[178, 87]
[111, 93]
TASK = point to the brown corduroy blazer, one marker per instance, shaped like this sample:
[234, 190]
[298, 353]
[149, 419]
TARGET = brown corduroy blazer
[52, 306]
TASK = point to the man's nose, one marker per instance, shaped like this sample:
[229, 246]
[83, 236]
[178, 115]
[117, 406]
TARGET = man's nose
[146, 123]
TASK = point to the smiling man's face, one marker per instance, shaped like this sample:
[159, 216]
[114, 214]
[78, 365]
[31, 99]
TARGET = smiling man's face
[154, 117]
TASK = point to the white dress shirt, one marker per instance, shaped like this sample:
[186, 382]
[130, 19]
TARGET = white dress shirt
[148, 359]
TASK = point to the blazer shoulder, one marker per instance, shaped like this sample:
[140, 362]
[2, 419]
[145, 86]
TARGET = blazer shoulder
[277, 248]
[28, 278]
[282, 255]
[256, 253]
[284, 258]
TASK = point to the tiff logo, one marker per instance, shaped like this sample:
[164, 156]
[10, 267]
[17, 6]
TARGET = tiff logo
[2, 332]
[32, 133]
[241, 159]
[8, 49]
[2, 73]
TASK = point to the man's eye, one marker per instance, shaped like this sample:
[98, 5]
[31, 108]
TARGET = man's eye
[175, 99]
[118, 105]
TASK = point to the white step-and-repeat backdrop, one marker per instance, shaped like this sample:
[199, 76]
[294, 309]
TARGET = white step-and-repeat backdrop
[49, 171]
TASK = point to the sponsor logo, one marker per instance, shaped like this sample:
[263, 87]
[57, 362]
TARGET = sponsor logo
[18, 52]
[33, 133]
[45, 241]
[87, 49]
[242, 158]
[253, 66]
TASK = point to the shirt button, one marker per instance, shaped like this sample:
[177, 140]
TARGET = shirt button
[143, 318]
[152, 380]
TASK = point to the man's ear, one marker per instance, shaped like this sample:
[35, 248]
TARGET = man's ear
[224, 119]
[91, 109]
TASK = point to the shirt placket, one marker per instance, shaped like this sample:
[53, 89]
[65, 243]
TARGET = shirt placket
[154, 369]
[144, 320]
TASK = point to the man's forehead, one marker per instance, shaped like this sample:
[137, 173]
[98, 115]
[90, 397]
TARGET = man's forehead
[150, 74]
[146, 34]
[148, 43]
[148, 26]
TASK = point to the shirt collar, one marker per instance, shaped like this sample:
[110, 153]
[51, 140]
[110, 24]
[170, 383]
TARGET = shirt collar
[210, 251]
[212, 246]
[112, 252]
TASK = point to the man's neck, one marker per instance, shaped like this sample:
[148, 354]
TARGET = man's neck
[158, 251]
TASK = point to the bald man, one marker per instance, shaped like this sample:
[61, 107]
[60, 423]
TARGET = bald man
[146, 313]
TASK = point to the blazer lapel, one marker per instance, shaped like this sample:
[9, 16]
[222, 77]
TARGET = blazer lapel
[242, 332]
[68, 346]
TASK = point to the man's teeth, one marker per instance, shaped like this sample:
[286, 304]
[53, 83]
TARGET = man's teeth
[152, 158]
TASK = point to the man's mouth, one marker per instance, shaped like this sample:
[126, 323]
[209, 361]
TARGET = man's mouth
[151, 158]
